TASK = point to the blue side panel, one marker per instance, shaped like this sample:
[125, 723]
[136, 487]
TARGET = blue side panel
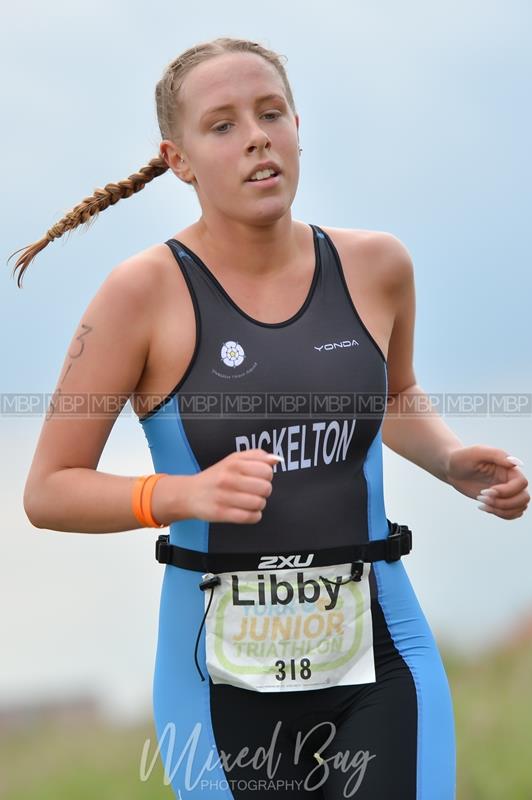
[171, 453]
[413, 638]
[181, 700]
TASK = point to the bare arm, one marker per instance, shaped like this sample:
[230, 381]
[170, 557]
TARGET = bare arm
[411, 427]
[84, 500]
[104, 362]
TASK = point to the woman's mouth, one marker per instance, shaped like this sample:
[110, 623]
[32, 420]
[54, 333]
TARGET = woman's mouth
[273, 180]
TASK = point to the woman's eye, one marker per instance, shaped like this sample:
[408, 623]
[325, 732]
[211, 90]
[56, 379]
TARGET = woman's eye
[218, 129]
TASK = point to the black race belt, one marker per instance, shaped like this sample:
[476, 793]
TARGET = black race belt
[398, 543]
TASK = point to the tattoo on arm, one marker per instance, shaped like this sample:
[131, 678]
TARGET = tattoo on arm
[86, 331]
[79, 338]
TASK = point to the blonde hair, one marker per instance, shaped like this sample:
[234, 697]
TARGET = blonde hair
[168, 107]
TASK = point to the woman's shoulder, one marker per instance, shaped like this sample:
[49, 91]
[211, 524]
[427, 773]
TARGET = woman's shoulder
[144, 272]
[381, 251]
[363, 236]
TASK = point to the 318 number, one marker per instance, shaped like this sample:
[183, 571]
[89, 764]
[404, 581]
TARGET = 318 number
[304, 670]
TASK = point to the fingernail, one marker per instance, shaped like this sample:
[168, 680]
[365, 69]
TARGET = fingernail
[516, 460]
[483, 497]
[482, 506]
[280, 458]
[489, 492]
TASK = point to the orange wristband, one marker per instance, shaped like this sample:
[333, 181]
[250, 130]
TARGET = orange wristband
[141, 499]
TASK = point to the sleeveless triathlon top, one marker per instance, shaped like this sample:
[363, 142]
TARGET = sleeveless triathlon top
[311, 389]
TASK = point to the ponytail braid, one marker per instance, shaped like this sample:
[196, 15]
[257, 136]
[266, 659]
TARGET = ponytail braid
[168, 107]
[87, 211]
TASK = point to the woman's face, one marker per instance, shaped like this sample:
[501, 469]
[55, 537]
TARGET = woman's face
[221, 147]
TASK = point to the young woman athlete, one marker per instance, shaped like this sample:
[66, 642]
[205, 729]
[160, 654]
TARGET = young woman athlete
[259, 352]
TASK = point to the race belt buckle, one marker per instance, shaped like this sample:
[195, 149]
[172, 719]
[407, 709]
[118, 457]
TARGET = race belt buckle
[399, 542]
[162, 550]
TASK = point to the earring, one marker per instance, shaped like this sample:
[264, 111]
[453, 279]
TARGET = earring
[300, 150]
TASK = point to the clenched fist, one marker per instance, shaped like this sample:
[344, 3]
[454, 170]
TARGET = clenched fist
[234, 489]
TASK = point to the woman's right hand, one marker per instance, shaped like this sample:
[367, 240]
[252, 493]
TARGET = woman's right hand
[234, 489]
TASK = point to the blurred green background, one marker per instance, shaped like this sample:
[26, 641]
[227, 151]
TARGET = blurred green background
[86, 758]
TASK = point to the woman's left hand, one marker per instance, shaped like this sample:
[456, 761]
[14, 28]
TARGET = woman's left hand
[477, 469]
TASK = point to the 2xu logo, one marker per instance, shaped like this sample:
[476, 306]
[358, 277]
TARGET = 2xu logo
[278, 562]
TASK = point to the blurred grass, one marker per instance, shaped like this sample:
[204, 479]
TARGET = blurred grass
[93, 761]
[492, 698]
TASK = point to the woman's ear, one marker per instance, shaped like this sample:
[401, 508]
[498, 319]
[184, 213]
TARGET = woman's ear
[175, 161]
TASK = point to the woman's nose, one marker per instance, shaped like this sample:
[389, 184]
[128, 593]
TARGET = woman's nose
[258, 138]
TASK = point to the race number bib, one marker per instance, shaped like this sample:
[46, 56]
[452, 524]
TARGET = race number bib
[292, 629]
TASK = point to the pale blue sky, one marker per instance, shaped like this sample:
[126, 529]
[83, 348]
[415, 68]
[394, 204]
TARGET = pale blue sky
[415, 119]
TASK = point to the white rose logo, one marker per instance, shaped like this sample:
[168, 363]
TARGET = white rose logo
[232, 354]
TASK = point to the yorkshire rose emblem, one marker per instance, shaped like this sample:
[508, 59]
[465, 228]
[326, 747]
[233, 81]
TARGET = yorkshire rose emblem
[232, 354]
